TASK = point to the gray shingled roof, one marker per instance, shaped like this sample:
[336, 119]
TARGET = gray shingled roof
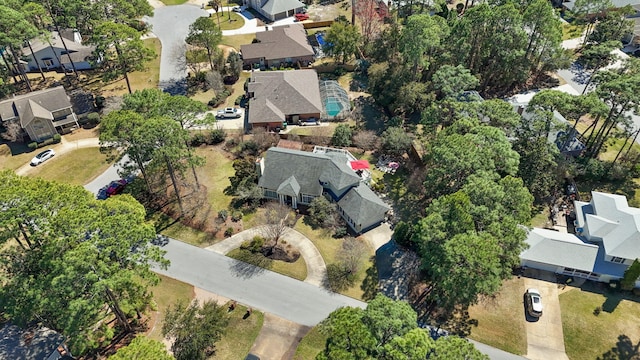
[289, 187]
[274, 7]
[38, 44]
[307, 168]
[287, 41]
[286, 92]
[559, 249]
[363, 206]
[34, 103]
[13, 343]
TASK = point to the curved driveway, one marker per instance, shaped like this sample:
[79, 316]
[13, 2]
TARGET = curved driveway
[316, 268]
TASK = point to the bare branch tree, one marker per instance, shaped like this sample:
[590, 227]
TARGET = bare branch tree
[277, 219]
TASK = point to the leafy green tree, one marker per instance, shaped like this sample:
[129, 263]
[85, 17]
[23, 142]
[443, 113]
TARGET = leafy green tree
[342, 41]
[631, 276]
[453, 347]
[463, 149]
[386, 330]
[121, 11]
[538, 166]
[598, 56]
[544, 33]
[75, 262]
[15, 29]
[206, 34]
[452, 80]
[590, 12]
[396, 141]
[195, 329]
[142, 348]
[614, 26]
[120, 50]
[421, 35]
[321, 212]
[341, 135]
[235, 65]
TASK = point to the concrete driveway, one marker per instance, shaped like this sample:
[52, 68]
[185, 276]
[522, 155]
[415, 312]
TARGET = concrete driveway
[545, 339]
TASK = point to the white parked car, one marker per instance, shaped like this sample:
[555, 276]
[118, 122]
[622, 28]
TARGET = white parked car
[237, 9]
[42, 157]
[533, 301]
[229, 113]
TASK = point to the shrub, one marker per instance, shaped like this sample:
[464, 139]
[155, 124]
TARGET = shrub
[340, 232]
[57, 138]
[236, 216]
[100, 100]
[93, 118]
[402, 234]
[217, 136]
[250, 147]
[33, 145]
[255, 245]
[198, 139]
[228, 232]
[597, 310]
[239, 100]
[222, 214]
[231, 143]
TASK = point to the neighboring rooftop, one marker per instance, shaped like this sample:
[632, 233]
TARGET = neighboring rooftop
[362, 205]
[277, 94]
[35, 343]
[38, 103]
[287, 41]
[559, 249]
[279, 6]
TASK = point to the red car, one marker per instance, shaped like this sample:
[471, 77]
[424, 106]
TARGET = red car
[116, 187]
[301, 17]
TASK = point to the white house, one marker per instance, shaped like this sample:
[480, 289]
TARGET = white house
[606, 244]
[51, 54]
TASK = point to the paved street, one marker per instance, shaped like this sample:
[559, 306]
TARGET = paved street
[264, 290]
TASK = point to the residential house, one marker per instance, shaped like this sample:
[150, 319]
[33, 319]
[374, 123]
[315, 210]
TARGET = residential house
[276, 97]
[283, 45]
[562, 133]
[40, 113]
[606, 243]
[295, 178]
[36, 343]
[276, 9]
[51, 54]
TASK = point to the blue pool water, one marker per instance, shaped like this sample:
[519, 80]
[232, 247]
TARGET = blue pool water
[320, 39]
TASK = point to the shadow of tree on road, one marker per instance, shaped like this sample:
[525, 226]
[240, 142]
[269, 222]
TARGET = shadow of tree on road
[250, 264]
[624, 350]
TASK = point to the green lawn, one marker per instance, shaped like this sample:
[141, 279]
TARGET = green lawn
[310, 345]
[610, 335]
[501, 319]
[229, 21]
[215, 176]
[84, 164]
[168, 292]
[236, 40]
[240, 335]
[296, 270]
[329, 247]
[18, 155]
[173, 2]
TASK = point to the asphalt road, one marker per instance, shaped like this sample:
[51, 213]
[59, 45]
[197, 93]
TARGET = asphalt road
[255, 287]
[171, 25]
[106, 177]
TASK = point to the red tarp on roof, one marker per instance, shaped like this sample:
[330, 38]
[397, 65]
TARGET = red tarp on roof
[360, 165]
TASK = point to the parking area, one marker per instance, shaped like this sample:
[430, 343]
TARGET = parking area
[545, 338]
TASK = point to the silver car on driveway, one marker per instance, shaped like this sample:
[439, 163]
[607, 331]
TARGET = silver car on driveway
[533, 301]
[42, 157]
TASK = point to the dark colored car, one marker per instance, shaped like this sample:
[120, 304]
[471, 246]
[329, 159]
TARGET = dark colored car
[252, 357]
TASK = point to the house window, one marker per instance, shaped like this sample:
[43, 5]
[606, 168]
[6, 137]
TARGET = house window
[270, 194]
[617, 260]
[306, 199]
[47, 62]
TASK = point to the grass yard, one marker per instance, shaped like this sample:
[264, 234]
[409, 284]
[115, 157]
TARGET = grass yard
[501, 319]
[85, 164]
[22, 156]
[313, 130]
[329, 247]
[571, 31]
[240, 336]
[236, 40]
[168, 292]
[215, 176]
[186, 234]
[296, 270]
[146, 79]
[203, 96]
[311, 345]
[229, 21]
[173, 2]
[610, 335]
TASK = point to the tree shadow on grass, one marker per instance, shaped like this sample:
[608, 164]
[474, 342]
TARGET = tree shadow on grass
[625, 349]
[370, 284]
[249, 264]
